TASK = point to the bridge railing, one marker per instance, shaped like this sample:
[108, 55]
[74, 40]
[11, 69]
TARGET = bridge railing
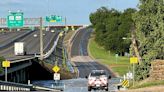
[52, 49]
[10, 86]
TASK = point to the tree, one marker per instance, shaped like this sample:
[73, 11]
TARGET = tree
[149, 22]
[110, 27]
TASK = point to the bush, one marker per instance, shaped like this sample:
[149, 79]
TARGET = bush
[1, 68]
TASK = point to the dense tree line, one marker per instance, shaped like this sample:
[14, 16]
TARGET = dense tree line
[110, 27]
[149, 22]
[148, 28]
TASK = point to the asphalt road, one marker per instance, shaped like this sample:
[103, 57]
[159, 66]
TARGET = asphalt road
[31, 45]
[6, 37]
[79, 51]
[74, 85]
[84, 64]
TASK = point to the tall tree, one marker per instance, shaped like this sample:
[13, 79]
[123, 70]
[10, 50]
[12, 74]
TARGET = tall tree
[149, 22]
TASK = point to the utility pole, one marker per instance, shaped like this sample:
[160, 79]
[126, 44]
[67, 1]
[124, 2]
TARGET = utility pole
[134, 44]
[41, 39]
[65, 20]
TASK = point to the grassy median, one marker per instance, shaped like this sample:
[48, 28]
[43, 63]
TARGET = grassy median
[119, 66]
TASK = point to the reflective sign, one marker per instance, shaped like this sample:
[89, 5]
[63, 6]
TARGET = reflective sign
[6, 63]
[56, 69]
[133, 60]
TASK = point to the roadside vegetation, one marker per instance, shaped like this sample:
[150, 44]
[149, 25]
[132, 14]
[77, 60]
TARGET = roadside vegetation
[1, 68]
[147, 84]
[119, 66]
[145, 27]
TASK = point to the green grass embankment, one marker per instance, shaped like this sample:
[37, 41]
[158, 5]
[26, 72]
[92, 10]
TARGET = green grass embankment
[105, 57]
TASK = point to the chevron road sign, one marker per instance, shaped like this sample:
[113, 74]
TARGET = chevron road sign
[125, 83]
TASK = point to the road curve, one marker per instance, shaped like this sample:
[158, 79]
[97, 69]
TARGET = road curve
[79, 54]
[31, 45]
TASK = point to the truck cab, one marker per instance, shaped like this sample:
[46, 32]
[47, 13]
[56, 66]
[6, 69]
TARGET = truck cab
[98, 79]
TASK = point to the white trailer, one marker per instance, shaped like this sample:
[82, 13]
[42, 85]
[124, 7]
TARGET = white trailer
[19, 48]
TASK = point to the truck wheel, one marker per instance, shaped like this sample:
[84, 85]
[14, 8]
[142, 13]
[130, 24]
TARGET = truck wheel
[89, 88]
[25, 53]
[106, 89]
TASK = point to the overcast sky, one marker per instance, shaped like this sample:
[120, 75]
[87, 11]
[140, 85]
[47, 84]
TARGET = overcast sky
[76, 11]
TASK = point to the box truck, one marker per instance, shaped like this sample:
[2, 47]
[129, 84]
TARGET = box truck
[19, 48]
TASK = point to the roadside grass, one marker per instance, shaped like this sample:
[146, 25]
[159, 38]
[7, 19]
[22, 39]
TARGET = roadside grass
[147, 84]
[120, 67]
[68, 36]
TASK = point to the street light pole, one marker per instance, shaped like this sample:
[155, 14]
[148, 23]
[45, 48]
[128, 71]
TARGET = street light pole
[41, 40]
[48, 15]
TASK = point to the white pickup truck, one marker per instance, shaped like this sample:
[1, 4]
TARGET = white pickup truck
[98, 79]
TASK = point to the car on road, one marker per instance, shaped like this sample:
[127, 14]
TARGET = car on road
[35, 35]
[52, 31]
[98, 79]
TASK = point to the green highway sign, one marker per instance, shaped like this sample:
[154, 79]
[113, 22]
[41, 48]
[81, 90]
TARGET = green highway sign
[15, 19]
[53, 18]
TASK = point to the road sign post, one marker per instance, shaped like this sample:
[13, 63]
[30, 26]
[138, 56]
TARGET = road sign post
[116, 56]
[6, 64]
[56, 76]
[56, 69]
[133, 60]
[125, 83]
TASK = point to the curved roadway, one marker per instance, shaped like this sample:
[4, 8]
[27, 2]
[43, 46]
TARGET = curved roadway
[31, 45]
[80, 56]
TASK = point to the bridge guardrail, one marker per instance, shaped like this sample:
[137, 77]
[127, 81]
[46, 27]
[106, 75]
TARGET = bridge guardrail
[10, 86]
[52, 49]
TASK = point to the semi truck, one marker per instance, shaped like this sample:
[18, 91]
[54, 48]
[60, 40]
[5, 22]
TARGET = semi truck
[19, 48]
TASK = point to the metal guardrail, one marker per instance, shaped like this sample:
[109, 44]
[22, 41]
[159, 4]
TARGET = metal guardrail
[10, 86]
[52, 49]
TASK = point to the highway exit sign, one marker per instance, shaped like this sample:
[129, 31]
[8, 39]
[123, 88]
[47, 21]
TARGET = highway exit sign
[6, 63]
[56, 69]
[15, 19]
[53, 18]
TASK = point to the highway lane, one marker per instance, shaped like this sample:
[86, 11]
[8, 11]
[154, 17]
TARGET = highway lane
[80, 56]
[8, 36]
[84, 64]
[31, 43]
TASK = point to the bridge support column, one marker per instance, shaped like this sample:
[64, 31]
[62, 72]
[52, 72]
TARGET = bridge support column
[17, 76]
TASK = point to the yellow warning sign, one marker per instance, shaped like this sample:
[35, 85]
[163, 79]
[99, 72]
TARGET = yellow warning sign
[125, 83]
[6, 63]
[133, 60]
[56, 69]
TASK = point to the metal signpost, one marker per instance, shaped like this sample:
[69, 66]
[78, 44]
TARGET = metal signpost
[6, 64]
[15, 20]
[56, 74]
[125, 83]
[116, 56]
[133, 60]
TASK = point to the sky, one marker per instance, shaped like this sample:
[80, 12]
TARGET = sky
[76, 11]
